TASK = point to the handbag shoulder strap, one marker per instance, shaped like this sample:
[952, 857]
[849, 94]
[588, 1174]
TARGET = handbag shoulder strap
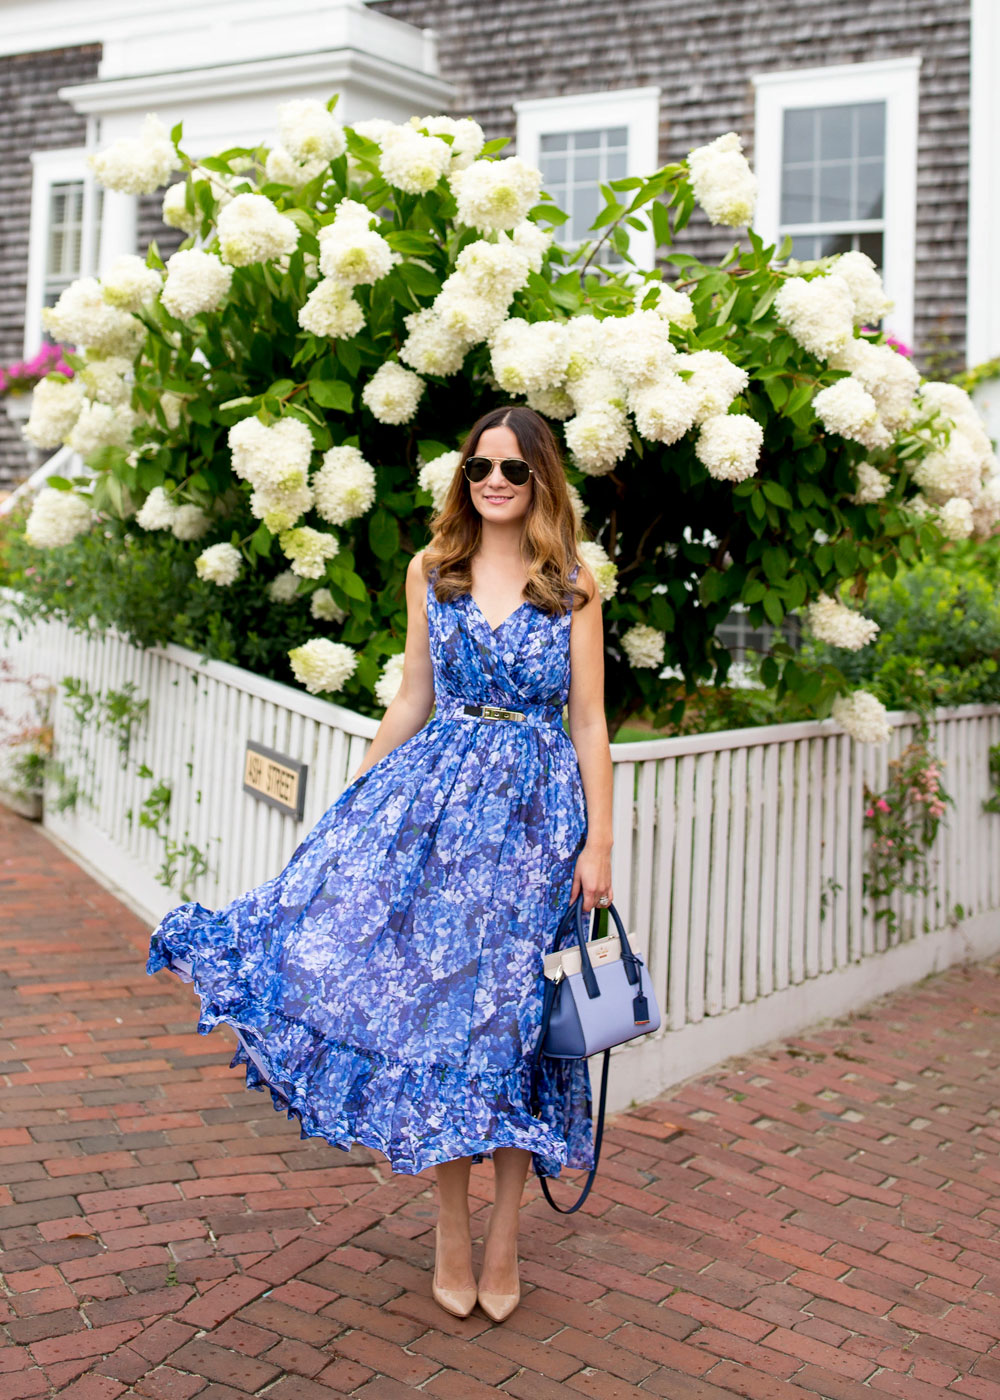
[598, 1139]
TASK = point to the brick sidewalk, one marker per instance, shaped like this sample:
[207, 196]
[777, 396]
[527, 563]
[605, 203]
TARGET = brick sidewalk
[823, 1221]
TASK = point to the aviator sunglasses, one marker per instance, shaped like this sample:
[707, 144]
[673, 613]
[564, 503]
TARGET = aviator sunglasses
[515, 469]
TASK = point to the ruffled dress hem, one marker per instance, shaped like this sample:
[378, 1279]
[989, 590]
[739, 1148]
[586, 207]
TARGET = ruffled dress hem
[410, 1100]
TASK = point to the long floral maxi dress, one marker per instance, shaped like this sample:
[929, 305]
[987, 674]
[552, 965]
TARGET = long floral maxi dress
[386, 986]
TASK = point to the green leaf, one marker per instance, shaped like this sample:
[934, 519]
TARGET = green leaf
[661, 224]
[774, 609]
[420, 281]
[59, 482]
[383, 533]
[763, 303]
[845, 558]
[774, 491]
[332, 393]
[769, 671]
[429, 449]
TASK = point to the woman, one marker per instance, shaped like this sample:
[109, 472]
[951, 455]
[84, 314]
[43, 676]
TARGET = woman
[386, 987]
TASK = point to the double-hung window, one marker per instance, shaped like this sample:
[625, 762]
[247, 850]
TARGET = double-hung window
[585, 140]
[66, 213]
[835, 151]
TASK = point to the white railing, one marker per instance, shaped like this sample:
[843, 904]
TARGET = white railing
[738, 856]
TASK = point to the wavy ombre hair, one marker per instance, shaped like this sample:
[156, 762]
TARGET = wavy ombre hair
[549, 530]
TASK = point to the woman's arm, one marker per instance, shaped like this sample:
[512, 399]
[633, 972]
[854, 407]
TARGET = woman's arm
[588, 729]
[413, 702]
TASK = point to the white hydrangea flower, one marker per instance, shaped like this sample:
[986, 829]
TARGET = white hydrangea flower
[465, 315]
[955, 520]
[354, 254]
[56, 518]
[986, 507]
[873, 485]
[528, 356]
[847, 409]
[468, 137]
[586, 344]
[867, 291]
[171, 404]
[552, 403]
[281, 168]
[82, 317]
[495, 194]
[252, 230]
[437, 475]
[831, 621]
[664, 409]
[412, 162]
[938, 396]
[310, 131]
[890, 378]
[598, 438]
[605, 570]
[129, 284]
[174, 211]
[269, 454]
[220, 564]
[331, 310]
[533, 241]
[99, 425]
[715, 380]
[675, 307]
[190, 523]
[377, 129]
[494, 270]
[722, 181]
[344, 486]
[281, 507]
[429, 347]
[55, 407]
[594, 386]
[728, 446]
[953, 470]
[863, 716]
[137, 165]
[818, 314]
[388, 683]
[283, 588]
[324, 607]
[196, 282]
[158, 511]
[644, 646]
[105, 381]
[393, 393]
[308, 549]
[637, 347]
[321, 665]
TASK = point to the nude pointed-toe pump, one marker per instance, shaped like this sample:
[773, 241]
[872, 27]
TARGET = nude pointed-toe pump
[499, 1306]
[458, 1301]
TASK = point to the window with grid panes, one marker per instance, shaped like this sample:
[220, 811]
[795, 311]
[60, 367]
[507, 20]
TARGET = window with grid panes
[64, 238]
[574, 164]
[833, 179]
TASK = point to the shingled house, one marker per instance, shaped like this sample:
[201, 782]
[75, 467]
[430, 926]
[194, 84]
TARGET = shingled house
[869, 126]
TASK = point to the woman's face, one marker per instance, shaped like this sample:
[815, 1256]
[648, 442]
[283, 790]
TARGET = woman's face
[497, 499]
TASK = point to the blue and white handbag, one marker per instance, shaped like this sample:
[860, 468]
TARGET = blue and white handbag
[595, 997]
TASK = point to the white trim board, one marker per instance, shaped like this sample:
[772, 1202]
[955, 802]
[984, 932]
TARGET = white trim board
[983, 309]
[636, 108]
[894, 80]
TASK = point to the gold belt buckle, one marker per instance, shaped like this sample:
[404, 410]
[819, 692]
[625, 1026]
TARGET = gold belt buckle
[495, 712]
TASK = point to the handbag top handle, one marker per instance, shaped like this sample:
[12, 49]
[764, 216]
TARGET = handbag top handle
[572, 921]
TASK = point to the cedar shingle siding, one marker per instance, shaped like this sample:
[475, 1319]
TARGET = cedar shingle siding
[32, 118]
[703, 57]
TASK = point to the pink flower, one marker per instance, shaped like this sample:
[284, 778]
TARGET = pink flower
[869, 811]
[882, 805]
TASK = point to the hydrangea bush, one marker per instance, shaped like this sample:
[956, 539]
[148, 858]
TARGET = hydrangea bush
[286, 394]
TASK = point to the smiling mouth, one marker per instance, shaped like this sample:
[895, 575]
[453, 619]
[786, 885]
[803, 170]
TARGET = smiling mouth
[498, 498]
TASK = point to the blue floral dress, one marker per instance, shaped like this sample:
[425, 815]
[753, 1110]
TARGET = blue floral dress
[386, 986]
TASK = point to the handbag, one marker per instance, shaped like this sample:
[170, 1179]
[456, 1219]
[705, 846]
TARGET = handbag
[595, 997]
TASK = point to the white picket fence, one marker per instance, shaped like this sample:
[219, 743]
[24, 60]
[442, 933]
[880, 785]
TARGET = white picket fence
[737, 862]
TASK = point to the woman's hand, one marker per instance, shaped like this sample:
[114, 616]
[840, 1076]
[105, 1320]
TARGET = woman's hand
[592, 875]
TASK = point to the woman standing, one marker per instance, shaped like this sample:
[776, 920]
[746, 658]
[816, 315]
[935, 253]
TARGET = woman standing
[386, 986]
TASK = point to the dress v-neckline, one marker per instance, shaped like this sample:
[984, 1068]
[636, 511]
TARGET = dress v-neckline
[486, 620]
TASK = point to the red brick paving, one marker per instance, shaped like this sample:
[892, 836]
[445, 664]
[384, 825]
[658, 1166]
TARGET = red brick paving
[821, 1218]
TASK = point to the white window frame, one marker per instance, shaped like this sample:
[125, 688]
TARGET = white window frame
[638, 109]
[117, 232]
[894, 81]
